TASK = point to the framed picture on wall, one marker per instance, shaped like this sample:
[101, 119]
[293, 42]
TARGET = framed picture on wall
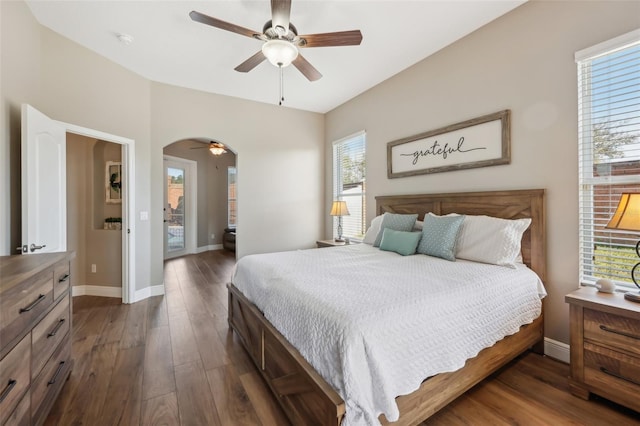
[113, 182]
[480, 142]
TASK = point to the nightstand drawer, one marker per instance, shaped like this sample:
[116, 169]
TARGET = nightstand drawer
[14, 377]
[615, 372]
[612, 330]
[48, 334]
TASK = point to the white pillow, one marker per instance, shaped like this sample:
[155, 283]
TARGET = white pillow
[373, 231]
[418, 225]
[491, 240]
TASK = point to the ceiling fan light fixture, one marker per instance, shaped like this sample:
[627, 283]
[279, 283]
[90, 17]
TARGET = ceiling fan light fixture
[217, 148]
[280, 52]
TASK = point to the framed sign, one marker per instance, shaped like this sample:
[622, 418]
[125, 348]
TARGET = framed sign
[480, 142]
[113, 182]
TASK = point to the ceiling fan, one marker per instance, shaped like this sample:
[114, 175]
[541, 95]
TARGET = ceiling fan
[216, 148]
[281, 40]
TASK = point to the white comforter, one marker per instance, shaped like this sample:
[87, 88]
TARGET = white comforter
[375, 324]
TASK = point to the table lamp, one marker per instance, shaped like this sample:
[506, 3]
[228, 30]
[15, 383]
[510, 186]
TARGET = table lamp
[627, 218]
[339, 208]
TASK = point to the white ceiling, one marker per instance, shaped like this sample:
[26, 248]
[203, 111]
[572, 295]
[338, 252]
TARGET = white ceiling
[169, 47]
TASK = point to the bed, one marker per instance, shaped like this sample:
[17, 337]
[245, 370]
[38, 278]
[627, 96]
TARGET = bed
[308, 398]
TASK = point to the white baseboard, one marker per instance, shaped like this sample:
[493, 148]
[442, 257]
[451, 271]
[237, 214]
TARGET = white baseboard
[156, 290]
[105, 291]
[556, 350]
[96, 290]
[209, 247]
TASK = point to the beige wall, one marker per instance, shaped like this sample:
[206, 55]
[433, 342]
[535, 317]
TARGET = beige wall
[280, 151]
[78, 202]
[86, 211]
[524, 61]
[280, 159]
[212, 188]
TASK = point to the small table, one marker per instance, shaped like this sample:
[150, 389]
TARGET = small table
[330, 243]
[605, 346]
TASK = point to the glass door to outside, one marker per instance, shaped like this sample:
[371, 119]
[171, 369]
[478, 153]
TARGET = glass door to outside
[174, 209]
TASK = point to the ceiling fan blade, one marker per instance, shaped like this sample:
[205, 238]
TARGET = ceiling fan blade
[214, 22]
[340, 38]
[280, 13]
[251, 63]
[306, 68]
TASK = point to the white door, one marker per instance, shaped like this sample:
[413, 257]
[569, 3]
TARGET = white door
[44, 183]
[179, 206]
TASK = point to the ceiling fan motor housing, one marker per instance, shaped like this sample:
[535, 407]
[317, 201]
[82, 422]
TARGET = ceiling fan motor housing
[278, 32]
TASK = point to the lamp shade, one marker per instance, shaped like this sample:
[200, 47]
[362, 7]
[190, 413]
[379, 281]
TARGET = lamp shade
[627, 214]
[280, 52]
[339, 208]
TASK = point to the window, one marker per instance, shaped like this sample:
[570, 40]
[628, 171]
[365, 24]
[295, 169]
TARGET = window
[349, 170]
[609, 154]
[231, 197]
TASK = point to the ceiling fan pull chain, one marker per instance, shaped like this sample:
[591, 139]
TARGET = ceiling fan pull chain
[281, 86]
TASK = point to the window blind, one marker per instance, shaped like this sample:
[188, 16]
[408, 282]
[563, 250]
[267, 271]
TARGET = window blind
[349, 184]
[609, 154]
[231, 197]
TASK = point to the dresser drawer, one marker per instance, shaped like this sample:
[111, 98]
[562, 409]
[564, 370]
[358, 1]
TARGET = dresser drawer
[23, 303]
[61, 279]
[46, 336]
[50, 380]
[616, 373]
[14, 377]
[612, 330]
[21, 416]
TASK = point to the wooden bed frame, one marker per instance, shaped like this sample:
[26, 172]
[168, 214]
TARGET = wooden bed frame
[308, 399]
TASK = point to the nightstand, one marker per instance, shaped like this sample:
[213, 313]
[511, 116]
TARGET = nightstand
[329, 243]
[605, 346]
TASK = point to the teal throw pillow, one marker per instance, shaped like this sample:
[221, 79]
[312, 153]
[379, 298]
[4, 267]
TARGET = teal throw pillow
[439, 236]
[397, 222]
[401, 242]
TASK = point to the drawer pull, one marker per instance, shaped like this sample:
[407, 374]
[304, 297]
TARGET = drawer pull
[33, 305]
[63, 278]
[626, 379]
[622, 333]
[57, 327]
[55, 376]
[7, 390]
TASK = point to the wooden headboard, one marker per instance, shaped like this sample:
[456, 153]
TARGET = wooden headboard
[503, 204]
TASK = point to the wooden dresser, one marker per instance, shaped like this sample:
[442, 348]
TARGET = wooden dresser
[35, 335]
[605, 346]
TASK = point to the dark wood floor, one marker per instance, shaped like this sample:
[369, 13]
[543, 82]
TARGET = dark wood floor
[171, 360]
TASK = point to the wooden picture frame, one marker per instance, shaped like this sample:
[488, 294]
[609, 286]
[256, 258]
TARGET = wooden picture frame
[113, 182]
[479, 142]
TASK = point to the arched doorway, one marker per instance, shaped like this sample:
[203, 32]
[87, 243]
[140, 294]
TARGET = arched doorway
[207, 202]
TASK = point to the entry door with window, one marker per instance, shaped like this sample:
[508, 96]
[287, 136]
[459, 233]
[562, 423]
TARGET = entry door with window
[175, 241]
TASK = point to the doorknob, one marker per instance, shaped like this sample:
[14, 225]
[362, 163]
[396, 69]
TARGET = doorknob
[22, 249]
[34, 247]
